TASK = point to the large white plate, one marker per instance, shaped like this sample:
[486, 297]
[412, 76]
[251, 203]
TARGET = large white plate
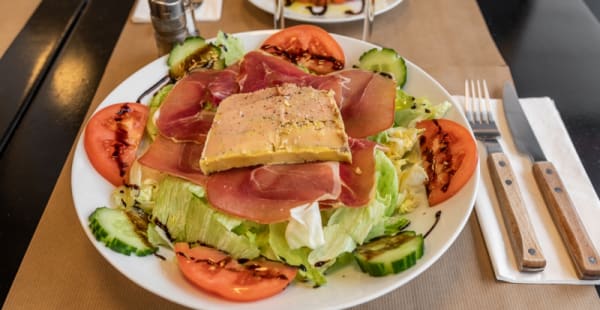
[334, 14]
[346, 287]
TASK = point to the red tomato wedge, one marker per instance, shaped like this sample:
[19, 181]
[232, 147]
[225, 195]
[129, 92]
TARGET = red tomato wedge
[112, 137]
[308, 46]
[449, 157]
[237, 280]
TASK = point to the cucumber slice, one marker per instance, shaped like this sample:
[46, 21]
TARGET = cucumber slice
[193, 53]
[116, 231]
[385, 61]
[390, 254]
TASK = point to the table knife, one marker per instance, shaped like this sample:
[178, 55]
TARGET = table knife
[564, 214]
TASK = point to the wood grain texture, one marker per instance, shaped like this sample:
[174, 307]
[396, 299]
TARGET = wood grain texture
[576, 240]
[526, 248]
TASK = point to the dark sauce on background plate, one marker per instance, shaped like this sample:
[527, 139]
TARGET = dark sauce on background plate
[320, 9]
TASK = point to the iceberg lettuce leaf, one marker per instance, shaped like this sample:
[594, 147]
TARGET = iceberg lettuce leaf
[294, 257]
[190, 218]
[232, 49]
[304, 227]
[410, 110]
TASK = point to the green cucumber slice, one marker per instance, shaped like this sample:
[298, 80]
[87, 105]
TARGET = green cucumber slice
[390, 254]
[117, 232]
[385, 60]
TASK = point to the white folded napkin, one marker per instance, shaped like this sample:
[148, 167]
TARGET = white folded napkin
[210, 10]
[558, 148]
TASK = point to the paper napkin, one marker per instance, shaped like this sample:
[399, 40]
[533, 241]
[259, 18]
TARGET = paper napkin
[558, 148]
[210, 10]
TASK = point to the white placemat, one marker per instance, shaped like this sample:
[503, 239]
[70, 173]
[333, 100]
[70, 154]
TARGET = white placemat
[210, 10]
[558, 148]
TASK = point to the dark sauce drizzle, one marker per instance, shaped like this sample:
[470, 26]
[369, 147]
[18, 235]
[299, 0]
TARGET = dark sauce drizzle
[294, 57]
[362, 9]
[257, 270]
[435, 159]
[154, 86]
[320, 264]
[438, 214]
[314, 12]
[324, 6]
[121, 136]
[164, 228]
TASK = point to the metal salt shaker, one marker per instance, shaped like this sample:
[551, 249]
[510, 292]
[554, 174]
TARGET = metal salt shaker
[169, 22]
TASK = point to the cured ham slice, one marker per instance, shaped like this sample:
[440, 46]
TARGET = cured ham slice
[282, 181]
[266, 194]
[182, 115]
[358, 178]
[179, 159]
[367, 103]
[259, 70]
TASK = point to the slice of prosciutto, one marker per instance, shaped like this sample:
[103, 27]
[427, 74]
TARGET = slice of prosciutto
[181, 159]
[259, 70]
[266, 194]
[182, 115]
[359, 177]
[367, 102]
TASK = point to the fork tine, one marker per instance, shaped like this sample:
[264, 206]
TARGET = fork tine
[479, 109]
[488, 115]
[479, 103]
[483, 104]
[474, 102]
[468, 109]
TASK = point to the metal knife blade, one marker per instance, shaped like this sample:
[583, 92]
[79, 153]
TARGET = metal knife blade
[564, 214]
[523, 136]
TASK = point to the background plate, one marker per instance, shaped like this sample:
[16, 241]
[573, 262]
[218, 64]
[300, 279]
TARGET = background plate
[346, 287]
[335, 13]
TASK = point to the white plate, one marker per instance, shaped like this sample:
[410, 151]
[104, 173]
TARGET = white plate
[334, 14]
[345, 288]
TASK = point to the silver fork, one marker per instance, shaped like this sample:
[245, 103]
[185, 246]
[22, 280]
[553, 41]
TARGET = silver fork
[526, 248]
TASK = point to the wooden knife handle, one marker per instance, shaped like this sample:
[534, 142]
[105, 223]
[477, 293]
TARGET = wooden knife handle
[525, 246]
[576, 240]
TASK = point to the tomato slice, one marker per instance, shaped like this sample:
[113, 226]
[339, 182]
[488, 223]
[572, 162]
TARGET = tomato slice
[112, 137]
[449, 156]
[216, 272]
[308, 46]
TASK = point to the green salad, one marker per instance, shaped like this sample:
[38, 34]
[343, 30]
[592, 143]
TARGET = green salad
[153, 212]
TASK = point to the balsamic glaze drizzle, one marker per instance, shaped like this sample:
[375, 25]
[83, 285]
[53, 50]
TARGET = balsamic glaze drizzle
[314, 12]
[295, 56]
[362, 9]
[323, 5]
[152, 88]
[257, 270]
[121, 136]
[438, 214]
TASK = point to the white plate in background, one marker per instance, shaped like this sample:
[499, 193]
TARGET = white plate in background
[334, 14]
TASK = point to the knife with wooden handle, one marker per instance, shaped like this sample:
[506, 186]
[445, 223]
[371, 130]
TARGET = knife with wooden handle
[564, 214]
